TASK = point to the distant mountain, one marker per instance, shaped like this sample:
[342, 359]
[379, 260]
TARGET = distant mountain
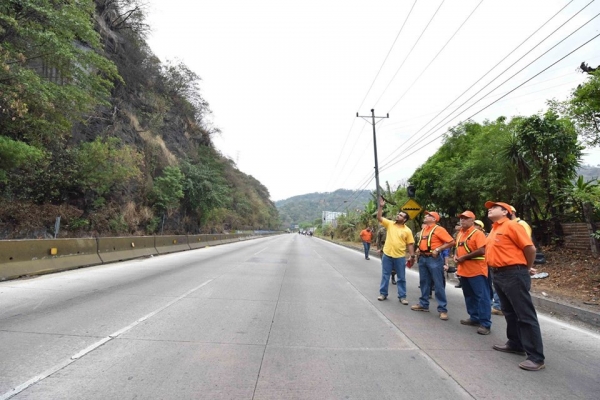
[589, 172]
[309, 207]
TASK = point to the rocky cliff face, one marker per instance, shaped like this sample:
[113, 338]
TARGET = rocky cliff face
[149, 161]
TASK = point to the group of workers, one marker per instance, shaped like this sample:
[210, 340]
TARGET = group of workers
[499, 264]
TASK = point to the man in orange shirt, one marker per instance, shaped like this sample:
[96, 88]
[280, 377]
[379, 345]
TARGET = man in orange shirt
[433, 240]
[366, 236]
[510, 255]
[473, 270]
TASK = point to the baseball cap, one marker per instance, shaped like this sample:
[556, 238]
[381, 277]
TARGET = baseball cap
[435, 215]
[490, 204]
[479, 222]
[467, 214]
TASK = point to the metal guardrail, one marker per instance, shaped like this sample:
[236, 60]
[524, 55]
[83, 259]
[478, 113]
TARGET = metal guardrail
[41, 256]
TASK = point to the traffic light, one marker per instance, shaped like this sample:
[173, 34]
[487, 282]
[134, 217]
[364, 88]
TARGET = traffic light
[410, 191]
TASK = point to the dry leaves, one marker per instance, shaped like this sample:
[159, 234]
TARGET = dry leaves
[574, 277]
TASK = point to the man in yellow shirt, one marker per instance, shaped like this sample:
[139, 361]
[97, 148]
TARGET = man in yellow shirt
[399, 238]
[523, 223]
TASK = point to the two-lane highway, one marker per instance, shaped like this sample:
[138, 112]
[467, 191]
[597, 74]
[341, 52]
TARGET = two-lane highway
[284, 317]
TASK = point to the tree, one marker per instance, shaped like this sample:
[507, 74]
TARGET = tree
[204, 188]
[168, 189]
[580, 193]
[52, 72]
[584, 108]
[548, 148]
[182, 82]
[103, 165]
[15, 154]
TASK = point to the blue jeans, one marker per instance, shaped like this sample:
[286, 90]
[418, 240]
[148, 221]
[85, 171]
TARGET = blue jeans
[476, 290]
[367, 247]
[522, 326]
[496, 302]
[432, 269]
[387, 265]
[494, 295]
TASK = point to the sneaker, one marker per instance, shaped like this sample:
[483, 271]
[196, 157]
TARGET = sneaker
[482, 330]
[404, 301]
[469, 322]
[444, 316]
[418, 307]
[495, 311]
[531, 365]
[382, 297]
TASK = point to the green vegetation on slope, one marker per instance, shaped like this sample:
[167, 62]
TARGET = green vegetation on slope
[95, 129]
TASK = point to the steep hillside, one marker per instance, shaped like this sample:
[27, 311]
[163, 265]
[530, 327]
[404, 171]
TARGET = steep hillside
[96, 130]
[307, 208]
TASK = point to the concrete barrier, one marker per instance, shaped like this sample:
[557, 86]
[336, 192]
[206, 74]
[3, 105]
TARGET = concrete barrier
[171, 244]
[32, 257]
[228, 238]
[199, 241]
[113, 249]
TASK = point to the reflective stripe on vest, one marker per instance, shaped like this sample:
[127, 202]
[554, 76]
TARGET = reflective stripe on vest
[428, 238]
[458, 242]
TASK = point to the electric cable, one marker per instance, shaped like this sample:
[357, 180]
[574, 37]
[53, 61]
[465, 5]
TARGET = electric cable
[495, 66]
[388, 54]
[368, 91]
[509, 78]
[484, 108]
[436, 56]
[410, 52]
[357, 191]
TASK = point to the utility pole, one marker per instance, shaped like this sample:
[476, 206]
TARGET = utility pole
[374, 147]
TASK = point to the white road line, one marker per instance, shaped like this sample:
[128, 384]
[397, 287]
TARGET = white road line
[93, 347]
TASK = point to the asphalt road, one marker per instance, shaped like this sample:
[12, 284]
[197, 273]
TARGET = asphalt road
[285, 317]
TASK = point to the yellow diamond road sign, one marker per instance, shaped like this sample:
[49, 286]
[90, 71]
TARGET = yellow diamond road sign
[412, 208]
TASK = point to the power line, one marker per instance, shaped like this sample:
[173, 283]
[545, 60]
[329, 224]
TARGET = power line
[410, 52]
[436, 56]
[509, 78]
[388, 54]
[494, 67]
[403, 124]
[489, 105]
[361, 187]
[356, 163]
[368, 91]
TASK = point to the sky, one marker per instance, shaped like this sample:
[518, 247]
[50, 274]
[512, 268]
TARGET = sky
[285, 79]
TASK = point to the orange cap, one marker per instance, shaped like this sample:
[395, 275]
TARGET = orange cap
[467, 214]
[490, 204]
[434, 215]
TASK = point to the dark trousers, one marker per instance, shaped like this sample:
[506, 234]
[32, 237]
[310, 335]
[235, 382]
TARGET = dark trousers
[522, 326]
